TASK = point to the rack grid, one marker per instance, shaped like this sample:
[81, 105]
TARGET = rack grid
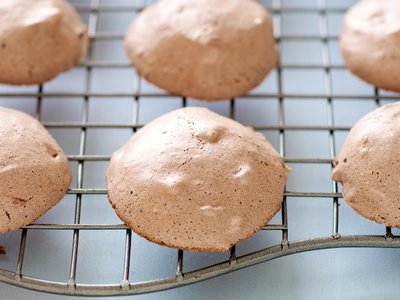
[234, 261]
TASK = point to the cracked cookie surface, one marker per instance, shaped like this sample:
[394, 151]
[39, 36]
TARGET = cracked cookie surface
[34, 172]
[368, 166]
[195, 180]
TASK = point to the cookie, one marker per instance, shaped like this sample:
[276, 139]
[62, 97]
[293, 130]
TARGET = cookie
[195, 180]
[370, 42]
[38, 40]
[34, 172]
[203, 49]
[368, 166]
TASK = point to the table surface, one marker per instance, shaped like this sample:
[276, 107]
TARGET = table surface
[326, 274]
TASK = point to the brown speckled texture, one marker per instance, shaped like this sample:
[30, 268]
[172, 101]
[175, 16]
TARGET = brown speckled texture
[38, 40]
[370, 42]
[34, 172]
[204, 49]
[368, 166]
[195, 180]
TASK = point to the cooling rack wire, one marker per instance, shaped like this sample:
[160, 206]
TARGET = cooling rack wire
[80, 159]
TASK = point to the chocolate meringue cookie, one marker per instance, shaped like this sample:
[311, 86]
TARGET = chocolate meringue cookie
[204, 49]
[195, 180]
[368, 166]
[38, 40]
[370, 42]
[34, 172]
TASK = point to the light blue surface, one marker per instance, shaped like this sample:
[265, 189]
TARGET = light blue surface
[328, 274]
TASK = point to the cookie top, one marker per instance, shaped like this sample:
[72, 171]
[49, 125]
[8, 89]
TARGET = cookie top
[195, 180]
[34, 172]
[38, 40]
[370, 42]
[204, 49]
[368, 166]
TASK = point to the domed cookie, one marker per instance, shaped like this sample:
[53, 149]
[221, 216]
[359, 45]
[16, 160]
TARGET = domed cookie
[195, 180]
[38, 40]
[204, 49]
[370, 42]
[34, 172]
[368, 166]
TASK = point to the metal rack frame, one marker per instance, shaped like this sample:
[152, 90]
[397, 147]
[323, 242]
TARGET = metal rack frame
[126, 286]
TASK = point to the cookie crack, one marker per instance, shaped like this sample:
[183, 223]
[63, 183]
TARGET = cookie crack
[7, 214]
[15, 198]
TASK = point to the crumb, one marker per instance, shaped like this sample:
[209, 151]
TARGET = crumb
[2, 251]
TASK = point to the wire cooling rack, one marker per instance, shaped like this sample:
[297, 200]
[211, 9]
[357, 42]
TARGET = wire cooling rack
[281, 94]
